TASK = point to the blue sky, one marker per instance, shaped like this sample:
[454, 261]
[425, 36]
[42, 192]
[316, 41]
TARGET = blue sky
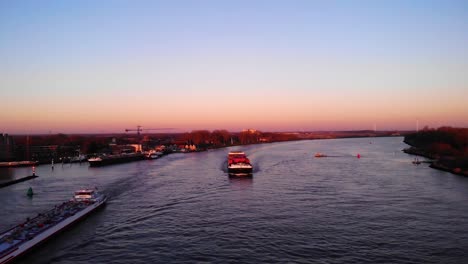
[362, 56]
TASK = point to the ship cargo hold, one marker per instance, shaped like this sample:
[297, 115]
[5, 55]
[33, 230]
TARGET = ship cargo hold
[21, 238]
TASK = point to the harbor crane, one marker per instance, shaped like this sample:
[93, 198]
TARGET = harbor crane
[139, 129]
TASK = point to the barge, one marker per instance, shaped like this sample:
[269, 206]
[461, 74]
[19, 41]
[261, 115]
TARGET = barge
[19, 239]
[104, 160]
[239, 164]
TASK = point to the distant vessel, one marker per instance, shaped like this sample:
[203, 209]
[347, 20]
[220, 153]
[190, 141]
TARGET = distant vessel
[238, 163]
[320, 155]
[416, 161]
[23, 237]
[79, 158]
[18, 163]
[104, 160]
[153, 155]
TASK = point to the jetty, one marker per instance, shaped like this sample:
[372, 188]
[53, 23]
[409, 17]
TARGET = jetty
[8, 183]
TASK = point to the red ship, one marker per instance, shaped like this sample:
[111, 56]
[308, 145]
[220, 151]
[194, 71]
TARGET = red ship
[238, 163]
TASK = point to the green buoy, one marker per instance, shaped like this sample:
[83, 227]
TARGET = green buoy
[30, 192]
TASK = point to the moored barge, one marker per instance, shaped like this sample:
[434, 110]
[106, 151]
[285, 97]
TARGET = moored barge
[104, 160]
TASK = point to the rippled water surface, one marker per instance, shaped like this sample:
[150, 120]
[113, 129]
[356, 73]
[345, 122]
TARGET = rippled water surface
[296, 208]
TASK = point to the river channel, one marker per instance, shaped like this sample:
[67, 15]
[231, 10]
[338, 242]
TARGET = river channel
[183, 208]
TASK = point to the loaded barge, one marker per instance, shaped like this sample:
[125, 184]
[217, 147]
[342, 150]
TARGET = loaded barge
[104, 160]
[239, 164]
[19, 239]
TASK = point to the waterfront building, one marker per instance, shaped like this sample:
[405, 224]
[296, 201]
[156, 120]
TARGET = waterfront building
[7, 148]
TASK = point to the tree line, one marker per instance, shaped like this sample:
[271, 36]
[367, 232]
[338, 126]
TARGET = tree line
[444, 141]
[70, 145]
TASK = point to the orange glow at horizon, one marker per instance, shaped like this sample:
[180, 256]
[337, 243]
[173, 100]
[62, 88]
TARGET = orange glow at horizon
[276, 110]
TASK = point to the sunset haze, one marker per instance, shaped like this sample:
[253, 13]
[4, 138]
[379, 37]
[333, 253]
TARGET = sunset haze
[99, 67]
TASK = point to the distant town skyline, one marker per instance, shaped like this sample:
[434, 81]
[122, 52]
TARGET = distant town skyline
[107, 66]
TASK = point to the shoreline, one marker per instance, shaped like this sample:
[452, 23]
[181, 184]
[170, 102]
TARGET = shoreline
[457, 171]
[418, 152]
[438, 162]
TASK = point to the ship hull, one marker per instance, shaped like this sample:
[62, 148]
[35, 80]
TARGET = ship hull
[25, 247]
[240, 174]
[239, 169]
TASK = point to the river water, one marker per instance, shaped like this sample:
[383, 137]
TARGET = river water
[183, 208]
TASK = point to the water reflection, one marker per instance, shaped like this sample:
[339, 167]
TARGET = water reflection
[6, 174]
[242, 181]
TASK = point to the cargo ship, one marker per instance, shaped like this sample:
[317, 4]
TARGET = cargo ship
[238, 163]
[19, 239]
[104, 160]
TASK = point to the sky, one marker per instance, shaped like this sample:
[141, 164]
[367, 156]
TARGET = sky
[104, 66]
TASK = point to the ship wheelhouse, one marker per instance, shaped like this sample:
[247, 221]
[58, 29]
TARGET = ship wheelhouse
[85, 195]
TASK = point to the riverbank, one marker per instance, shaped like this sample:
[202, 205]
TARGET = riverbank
[12, 164]
[446, 147]
[455, 165]
[418, 152]
[452, 165]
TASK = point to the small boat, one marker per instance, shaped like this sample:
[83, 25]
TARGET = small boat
[19, 239]
[416, 161]
[153, 155]
[238, 163]
[320, 155]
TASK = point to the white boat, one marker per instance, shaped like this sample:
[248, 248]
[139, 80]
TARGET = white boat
[95, 159]
[153, 155]
[19, 239]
